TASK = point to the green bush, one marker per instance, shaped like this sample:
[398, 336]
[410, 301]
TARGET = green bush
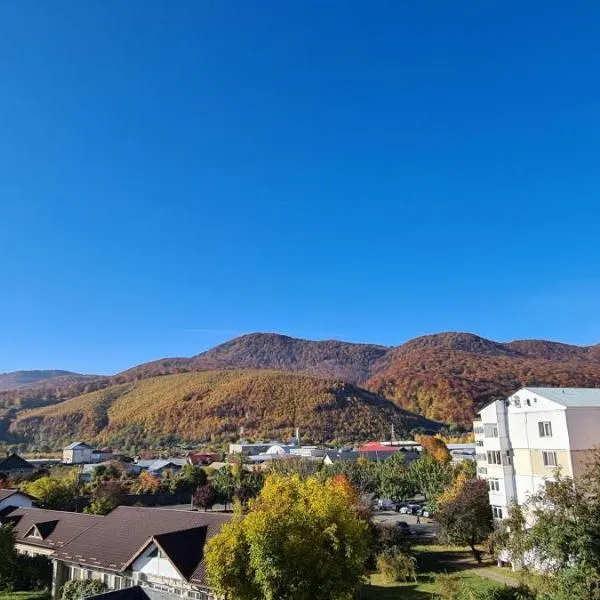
[452, 587]
[396, 566]
[74, 590]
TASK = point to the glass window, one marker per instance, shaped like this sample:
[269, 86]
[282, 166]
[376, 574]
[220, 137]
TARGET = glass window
[549, 459]
[494, 458]
[494, 485]
[545, 428]
[491, 430]
[497, 512]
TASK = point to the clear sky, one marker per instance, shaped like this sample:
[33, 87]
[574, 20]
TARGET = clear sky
[173, 174]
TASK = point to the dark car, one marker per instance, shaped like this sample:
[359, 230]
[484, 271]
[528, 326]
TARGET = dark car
[404, 528]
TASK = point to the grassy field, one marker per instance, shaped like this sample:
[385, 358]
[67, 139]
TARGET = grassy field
[40, 595]
[431, 561]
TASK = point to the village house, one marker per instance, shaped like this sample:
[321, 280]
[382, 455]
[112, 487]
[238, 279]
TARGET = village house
[15, 465]
[159, 551]
[10, 499]
[77, 453]
[41, 532]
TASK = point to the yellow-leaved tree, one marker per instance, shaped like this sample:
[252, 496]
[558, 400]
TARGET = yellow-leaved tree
[300, 540]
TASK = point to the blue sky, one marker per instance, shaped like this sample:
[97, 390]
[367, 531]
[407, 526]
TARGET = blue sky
[173, 174]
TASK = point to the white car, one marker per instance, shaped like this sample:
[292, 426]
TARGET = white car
[405, 510]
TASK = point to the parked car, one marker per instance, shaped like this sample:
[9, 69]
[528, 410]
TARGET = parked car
[400, 506]
[414, 509]
[404, 528]
[424, 512]
[386, 504]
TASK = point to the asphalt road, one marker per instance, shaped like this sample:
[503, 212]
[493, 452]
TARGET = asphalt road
[425, 528]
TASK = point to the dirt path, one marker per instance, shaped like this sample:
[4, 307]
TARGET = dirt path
[494, 576]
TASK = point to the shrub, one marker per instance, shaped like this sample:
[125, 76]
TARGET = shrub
[74, 590]
[396, 566]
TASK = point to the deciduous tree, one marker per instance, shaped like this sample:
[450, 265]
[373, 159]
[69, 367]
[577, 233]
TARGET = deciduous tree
[300, 540]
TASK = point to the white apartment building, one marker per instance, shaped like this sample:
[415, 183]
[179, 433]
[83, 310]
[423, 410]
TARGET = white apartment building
[521, 441]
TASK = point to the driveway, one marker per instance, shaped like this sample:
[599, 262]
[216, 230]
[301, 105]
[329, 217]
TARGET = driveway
[426, 527]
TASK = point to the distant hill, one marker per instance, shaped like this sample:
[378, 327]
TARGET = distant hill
[449, 376]
[340, 360]
[445, 377]
[18, 379]
[196, 407]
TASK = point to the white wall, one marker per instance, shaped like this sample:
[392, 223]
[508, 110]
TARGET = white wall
[160, 567]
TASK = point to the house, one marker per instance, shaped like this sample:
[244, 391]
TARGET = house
[379, 451]
[250, 449]
[77, 453]
[160, 466]
[522, 441]
[88, 470]
[461, 452]
[203, 458]
[13, 499]
[160, 550]
[41, 532]
[101, 455]
[15, 465]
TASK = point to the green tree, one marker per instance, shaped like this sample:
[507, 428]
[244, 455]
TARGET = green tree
[466, 519]
[394, 480]
[8, 557]
[224, 482]
[53, 493]
[361, 473]
[430, 477]
[106, 496]
[301, 540]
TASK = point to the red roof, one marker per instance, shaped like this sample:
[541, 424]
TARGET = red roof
[376, 446]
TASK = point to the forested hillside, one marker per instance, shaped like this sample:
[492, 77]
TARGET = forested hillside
[197, 407]
[446, 377]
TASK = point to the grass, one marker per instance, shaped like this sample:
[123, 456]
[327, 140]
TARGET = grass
[431, 561]
[35, 595]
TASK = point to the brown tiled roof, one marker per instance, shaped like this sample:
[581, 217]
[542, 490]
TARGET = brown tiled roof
[115, 541]
[56, 527]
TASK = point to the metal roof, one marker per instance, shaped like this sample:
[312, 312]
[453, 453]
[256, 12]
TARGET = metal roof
[570, 397]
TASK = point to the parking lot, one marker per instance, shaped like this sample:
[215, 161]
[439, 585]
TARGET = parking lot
[425, 528]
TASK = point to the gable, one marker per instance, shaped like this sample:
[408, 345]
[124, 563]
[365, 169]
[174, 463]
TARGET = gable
[154, 561]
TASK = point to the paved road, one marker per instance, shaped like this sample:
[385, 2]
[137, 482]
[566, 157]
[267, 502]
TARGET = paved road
[426, 528]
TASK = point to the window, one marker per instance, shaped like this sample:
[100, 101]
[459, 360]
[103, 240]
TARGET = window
[545, 428]
[478, 429]
[118, 582]
[482, 457]
[517, 402]
[494, 485]
[549, 459]
[479, 443]
[494, 458]
[491, 430]
[482, 470]
[497, 512]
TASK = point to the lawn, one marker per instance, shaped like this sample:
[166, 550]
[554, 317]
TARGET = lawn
[431, 560]
[38, 595]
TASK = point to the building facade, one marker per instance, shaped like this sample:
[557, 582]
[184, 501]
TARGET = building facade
[523, 441]
[77, 453]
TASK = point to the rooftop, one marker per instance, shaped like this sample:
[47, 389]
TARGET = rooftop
[570, 397]
[118, 538]
[55, 528]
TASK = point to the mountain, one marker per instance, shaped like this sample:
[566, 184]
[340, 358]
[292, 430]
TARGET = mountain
[444, 377]
[196, 407]
[331, 358]
[18, 379]
[449, 376]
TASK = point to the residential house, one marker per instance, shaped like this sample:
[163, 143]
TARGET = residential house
[203, 458]
[250, 449]
[10, 499]
[15, 465]
[77, 453]
[41, 532]
[379, 451]
[522, 441]
[160, 466]
[156, 549]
